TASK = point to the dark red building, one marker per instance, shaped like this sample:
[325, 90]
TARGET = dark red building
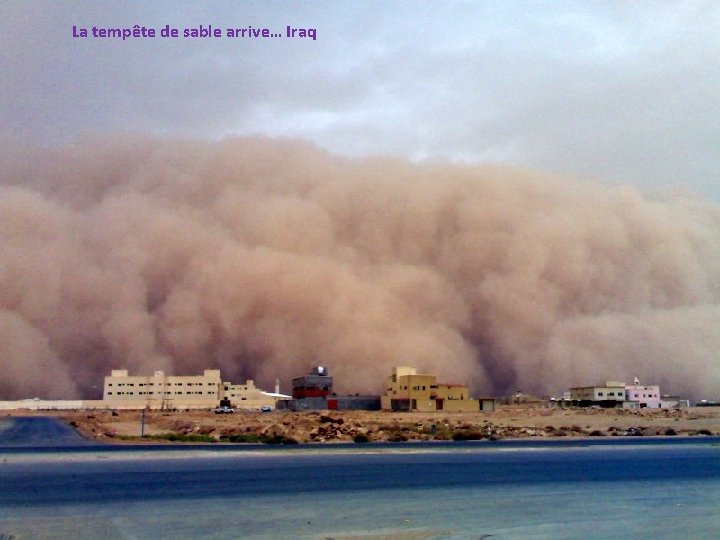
[318, 384]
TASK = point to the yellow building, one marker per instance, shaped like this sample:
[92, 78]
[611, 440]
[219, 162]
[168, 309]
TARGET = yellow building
[161, 391]
[408, 390]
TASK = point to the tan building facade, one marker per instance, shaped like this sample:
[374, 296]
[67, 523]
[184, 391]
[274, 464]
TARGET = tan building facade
[161, 391]
[248, 396]
[408, 390]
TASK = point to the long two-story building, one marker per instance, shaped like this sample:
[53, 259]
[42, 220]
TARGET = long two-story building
[161, 391]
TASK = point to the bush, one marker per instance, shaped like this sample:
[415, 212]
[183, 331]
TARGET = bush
[361, 438]
[178, 437]
[256, 438]
[278, 439]
[467, 436]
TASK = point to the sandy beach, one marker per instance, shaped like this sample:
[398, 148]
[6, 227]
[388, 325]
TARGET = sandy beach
[508, 422]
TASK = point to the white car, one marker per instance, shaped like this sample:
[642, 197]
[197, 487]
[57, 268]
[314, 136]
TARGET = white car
[224, 410]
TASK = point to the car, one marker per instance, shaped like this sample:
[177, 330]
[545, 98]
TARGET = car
[266, 408]
[224, 410]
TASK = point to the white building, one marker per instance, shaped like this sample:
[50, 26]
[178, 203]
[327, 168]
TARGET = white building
[612, 393]
[161, 391]
[641, 397]
[619, 394]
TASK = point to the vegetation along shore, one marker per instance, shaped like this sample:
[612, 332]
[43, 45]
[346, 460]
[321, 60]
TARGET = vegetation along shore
[279, 427]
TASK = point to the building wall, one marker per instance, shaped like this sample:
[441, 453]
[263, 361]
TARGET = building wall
[610, 391]
[632, 396]
[316, 384]
[648, 397]
[161, 391]
[487, 404]
[305, 404]
[246, 396]
[43, 405]
[354, 403]
[408, 390]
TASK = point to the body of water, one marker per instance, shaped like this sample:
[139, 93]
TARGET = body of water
[667, 488]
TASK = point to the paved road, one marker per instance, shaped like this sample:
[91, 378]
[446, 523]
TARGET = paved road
[36, 432]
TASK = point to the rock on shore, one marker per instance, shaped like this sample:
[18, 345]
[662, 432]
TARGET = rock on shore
[378, 426]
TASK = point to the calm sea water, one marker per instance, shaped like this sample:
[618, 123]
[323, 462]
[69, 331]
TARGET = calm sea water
[611, 489]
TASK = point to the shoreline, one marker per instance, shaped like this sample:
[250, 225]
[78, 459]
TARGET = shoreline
[122, 428]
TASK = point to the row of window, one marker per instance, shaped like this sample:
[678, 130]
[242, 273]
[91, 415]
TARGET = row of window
[164, 384]
[158, 393]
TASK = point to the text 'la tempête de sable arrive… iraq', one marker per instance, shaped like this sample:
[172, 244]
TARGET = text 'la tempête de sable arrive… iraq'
[201, 31]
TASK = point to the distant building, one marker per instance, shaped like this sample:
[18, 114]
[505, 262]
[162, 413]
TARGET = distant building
[649, 397]
[619, 394]
[408, 390]
[315, 392]
[610, 394]
[317, 384]
[161, 391]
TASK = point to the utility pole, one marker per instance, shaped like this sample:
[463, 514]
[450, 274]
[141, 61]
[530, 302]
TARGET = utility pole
[142, 423]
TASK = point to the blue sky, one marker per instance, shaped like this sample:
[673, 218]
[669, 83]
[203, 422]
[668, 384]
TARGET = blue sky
[625, 92]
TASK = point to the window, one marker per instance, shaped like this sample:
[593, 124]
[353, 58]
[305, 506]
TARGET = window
[600, 393]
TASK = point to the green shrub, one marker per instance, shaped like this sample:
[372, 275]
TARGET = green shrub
[360, 438]
[467, 436]
[179, 437]
[256, 438]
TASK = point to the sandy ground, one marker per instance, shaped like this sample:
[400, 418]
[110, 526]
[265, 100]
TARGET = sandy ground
[124, 427]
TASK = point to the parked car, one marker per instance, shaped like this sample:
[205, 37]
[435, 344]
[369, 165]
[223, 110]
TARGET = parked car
[224, 410]
[266, 408]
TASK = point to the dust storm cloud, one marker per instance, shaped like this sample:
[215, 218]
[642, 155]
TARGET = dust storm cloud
[265, 257]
